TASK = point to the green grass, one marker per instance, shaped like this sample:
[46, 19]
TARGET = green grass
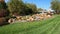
[49, 26]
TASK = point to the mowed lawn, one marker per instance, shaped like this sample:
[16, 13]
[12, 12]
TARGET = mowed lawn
[49, 26]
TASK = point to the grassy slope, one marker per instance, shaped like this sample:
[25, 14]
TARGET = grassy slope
[50, 26]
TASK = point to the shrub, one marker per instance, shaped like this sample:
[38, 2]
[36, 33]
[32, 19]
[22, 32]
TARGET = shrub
[3, 13]
[3, 21]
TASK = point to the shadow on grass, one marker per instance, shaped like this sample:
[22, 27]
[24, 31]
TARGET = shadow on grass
[4, 24]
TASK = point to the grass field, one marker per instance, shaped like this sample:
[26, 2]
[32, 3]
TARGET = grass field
[49, 26]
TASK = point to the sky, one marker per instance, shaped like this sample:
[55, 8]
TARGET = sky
[44, 4]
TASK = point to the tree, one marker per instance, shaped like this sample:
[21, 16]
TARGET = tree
[15, 6]
[32, 6]
[39, 9]
[55, 5]
[29, 9]
[3, 4]
[3, 9]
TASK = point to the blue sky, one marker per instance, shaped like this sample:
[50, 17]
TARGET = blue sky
[45, 4]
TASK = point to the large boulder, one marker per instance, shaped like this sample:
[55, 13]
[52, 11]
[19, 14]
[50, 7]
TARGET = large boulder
[11, 20]
[30, 18]
[49, 13]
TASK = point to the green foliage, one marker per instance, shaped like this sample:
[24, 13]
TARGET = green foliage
[0, 6]
[15, 6]
[55, 5]
[39, 9]
[32, 6]
[29, 9]
[3, 5]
